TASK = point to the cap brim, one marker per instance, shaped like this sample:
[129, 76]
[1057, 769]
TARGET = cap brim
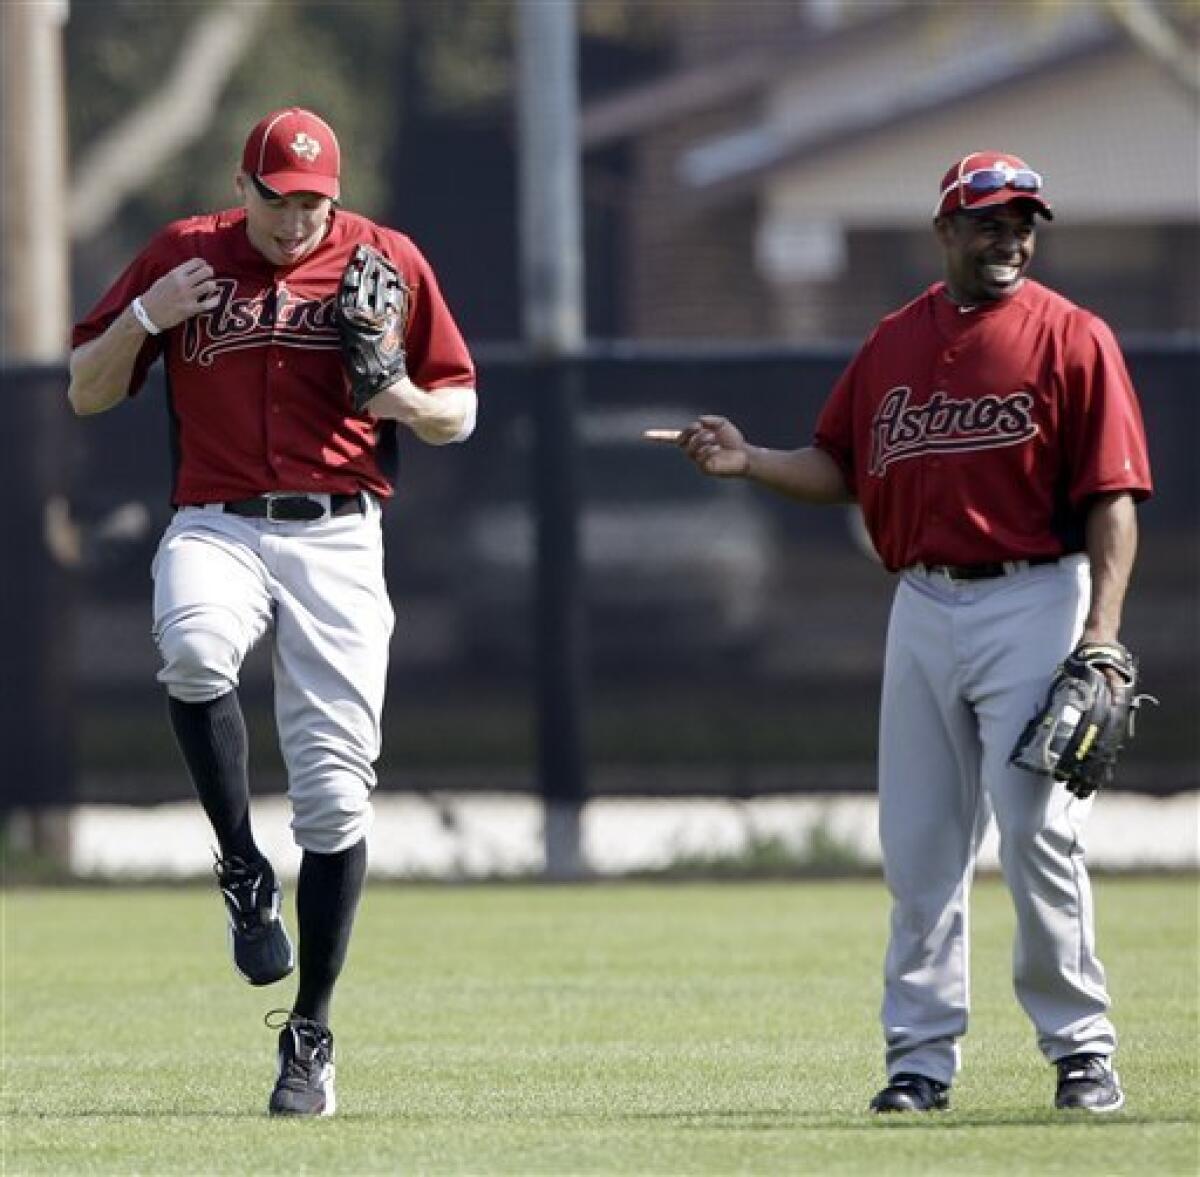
[1006, 196]
[287, 183]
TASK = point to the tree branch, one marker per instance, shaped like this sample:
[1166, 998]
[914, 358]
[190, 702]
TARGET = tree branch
[178, 113]
[1154, 34]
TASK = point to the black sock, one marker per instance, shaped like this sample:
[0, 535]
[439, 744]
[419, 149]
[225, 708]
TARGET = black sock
[327, 894]
[212, 738]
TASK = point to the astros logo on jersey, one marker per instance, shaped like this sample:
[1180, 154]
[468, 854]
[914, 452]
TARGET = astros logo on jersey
[942, 424]
[265, 317]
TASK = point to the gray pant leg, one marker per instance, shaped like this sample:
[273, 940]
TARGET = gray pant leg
[333, 625]
[932, 817]
[1057, 975]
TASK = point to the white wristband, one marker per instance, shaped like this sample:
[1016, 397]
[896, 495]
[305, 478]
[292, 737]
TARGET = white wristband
[140, 313]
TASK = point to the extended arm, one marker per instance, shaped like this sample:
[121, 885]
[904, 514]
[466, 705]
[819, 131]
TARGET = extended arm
[100, 369]
[1111, 536]
[809, 474]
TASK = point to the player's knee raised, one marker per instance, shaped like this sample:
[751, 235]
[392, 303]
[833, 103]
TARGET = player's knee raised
[199, 662]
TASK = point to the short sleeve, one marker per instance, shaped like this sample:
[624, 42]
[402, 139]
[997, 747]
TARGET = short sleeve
[436, 351]
[137, 278]
[1104, 437]
[834, 431]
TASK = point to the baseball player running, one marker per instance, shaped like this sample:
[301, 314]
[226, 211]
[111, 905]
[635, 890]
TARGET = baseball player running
[293, 332]
[991, 435]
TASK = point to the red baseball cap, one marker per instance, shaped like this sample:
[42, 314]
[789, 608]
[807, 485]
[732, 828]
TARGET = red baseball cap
[986, 178]
[294, 150]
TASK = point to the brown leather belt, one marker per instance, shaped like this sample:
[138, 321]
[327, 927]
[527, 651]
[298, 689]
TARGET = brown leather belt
[288, 508]
[985, 571]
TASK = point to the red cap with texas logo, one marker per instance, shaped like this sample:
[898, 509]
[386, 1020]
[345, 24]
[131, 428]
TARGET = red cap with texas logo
[294, 150]
[986, 178]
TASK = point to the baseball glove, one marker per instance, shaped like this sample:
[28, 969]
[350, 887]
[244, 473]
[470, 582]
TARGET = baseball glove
[372, 312]
[1082, 725]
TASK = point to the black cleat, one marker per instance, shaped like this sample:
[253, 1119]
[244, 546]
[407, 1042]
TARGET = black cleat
[262, 952]
[908, 1092]
[1087, 1082]
[305, 1083]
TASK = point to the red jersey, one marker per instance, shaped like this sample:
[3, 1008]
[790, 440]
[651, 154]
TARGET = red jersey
[259, 397]
[978, 435]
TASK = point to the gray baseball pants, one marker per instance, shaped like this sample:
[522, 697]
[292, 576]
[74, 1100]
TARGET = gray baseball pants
[967, 664]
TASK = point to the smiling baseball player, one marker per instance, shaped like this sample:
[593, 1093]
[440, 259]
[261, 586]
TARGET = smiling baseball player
[291, 330]
[991, 435]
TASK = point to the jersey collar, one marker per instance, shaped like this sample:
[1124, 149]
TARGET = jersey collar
[953, 318]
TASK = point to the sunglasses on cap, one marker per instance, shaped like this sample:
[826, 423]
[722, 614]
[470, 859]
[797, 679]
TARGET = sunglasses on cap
[985, 181]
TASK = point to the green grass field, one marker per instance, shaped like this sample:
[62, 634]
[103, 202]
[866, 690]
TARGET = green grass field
[643, 1029]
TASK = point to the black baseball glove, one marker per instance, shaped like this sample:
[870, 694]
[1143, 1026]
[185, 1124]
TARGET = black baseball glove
[372, 312]
[1082, 725]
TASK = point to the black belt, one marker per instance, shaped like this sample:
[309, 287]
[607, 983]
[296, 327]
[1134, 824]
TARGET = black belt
[285, 508]
[985, 571]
